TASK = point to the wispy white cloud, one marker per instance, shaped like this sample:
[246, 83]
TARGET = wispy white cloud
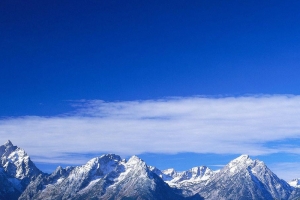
[222, 125]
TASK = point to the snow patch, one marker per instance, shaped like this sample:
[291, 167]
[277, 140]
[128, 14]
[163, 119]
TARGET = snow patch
[295, 183]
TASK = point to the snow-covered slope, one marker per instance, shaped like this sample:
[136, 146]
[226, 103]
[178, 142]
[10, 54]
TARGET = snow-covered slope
[110, 177]
[195, 175]
[189, 181]
[16, 171]
[295, 183]
[105, 177]
[244, 178]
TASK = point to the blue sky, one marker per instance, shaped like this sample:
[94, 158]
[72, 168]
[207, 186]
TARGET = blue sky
[221, 74]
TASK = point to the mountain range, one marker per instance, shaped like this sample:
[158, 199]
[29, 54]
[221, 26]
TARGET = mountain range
[111, 177]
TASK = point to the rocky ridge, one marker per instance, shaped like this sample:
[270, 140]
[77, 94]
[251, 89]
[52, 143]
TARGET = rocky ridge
[110, 177]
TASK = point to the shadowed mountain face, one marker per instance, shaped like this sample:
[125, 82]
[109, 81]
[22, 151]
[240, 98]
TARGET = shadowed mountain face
[110, 177]
[16, 171]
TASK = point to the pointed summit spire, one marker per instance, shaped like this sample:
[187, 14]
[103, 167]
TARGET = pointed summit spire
[8, 143]
[241, 161]
[136, 161]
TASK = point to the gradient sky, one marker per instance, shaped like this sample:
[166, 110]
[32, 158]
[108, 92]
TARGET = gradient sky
[72, 62]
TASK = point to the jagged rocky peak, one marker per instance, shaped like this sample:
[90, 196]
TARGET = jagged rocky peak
[137, 164]
[247, 165]
[101, 165]
[247, 178]
[7, 148]
[170, 172]
[16, 162]
[199, 171]
[104, 159]
[191, 176]
[59, 171]
[202, 173]
[110, 177]
[105, 177]
[134, 160]
[8, 143]
[17, 169]
[243, 162]
[111, 157]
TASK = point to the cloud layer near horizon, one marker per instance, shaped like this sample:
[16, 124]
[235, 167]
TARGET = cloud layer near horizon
[233, 125]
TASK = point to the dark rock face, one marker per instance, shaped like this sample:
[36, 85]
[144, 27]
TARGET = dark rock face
[7, 188]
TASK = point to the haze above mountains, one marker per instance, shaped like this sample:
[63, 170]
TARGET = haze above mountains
[111, 177]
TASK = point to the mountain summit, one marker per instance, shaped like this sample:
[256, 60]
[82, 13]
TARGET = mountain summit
[244, 178]
[16, 171]
[105, 177]
[111, 177]
[8, 143]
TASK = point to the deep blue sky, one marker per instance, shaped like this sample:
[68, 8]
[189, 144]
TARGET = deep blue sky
[54, 51]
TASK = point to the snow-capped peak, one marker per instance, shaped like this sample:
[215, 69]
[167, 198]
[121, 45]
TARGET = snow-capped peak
[110, 177]
[100, 166]
[134, 160]
[201, 172]
[134, 157]
[247, 178]
[17, 163]
[195, 174]
[8, 143]
[189, 181]
[243, 160]
[137, 163]
[170, 172]
[6, 149]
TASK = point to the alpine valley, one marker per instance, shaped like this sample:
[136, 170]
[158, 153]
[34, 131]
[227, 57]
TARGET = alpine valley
[111, 177]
